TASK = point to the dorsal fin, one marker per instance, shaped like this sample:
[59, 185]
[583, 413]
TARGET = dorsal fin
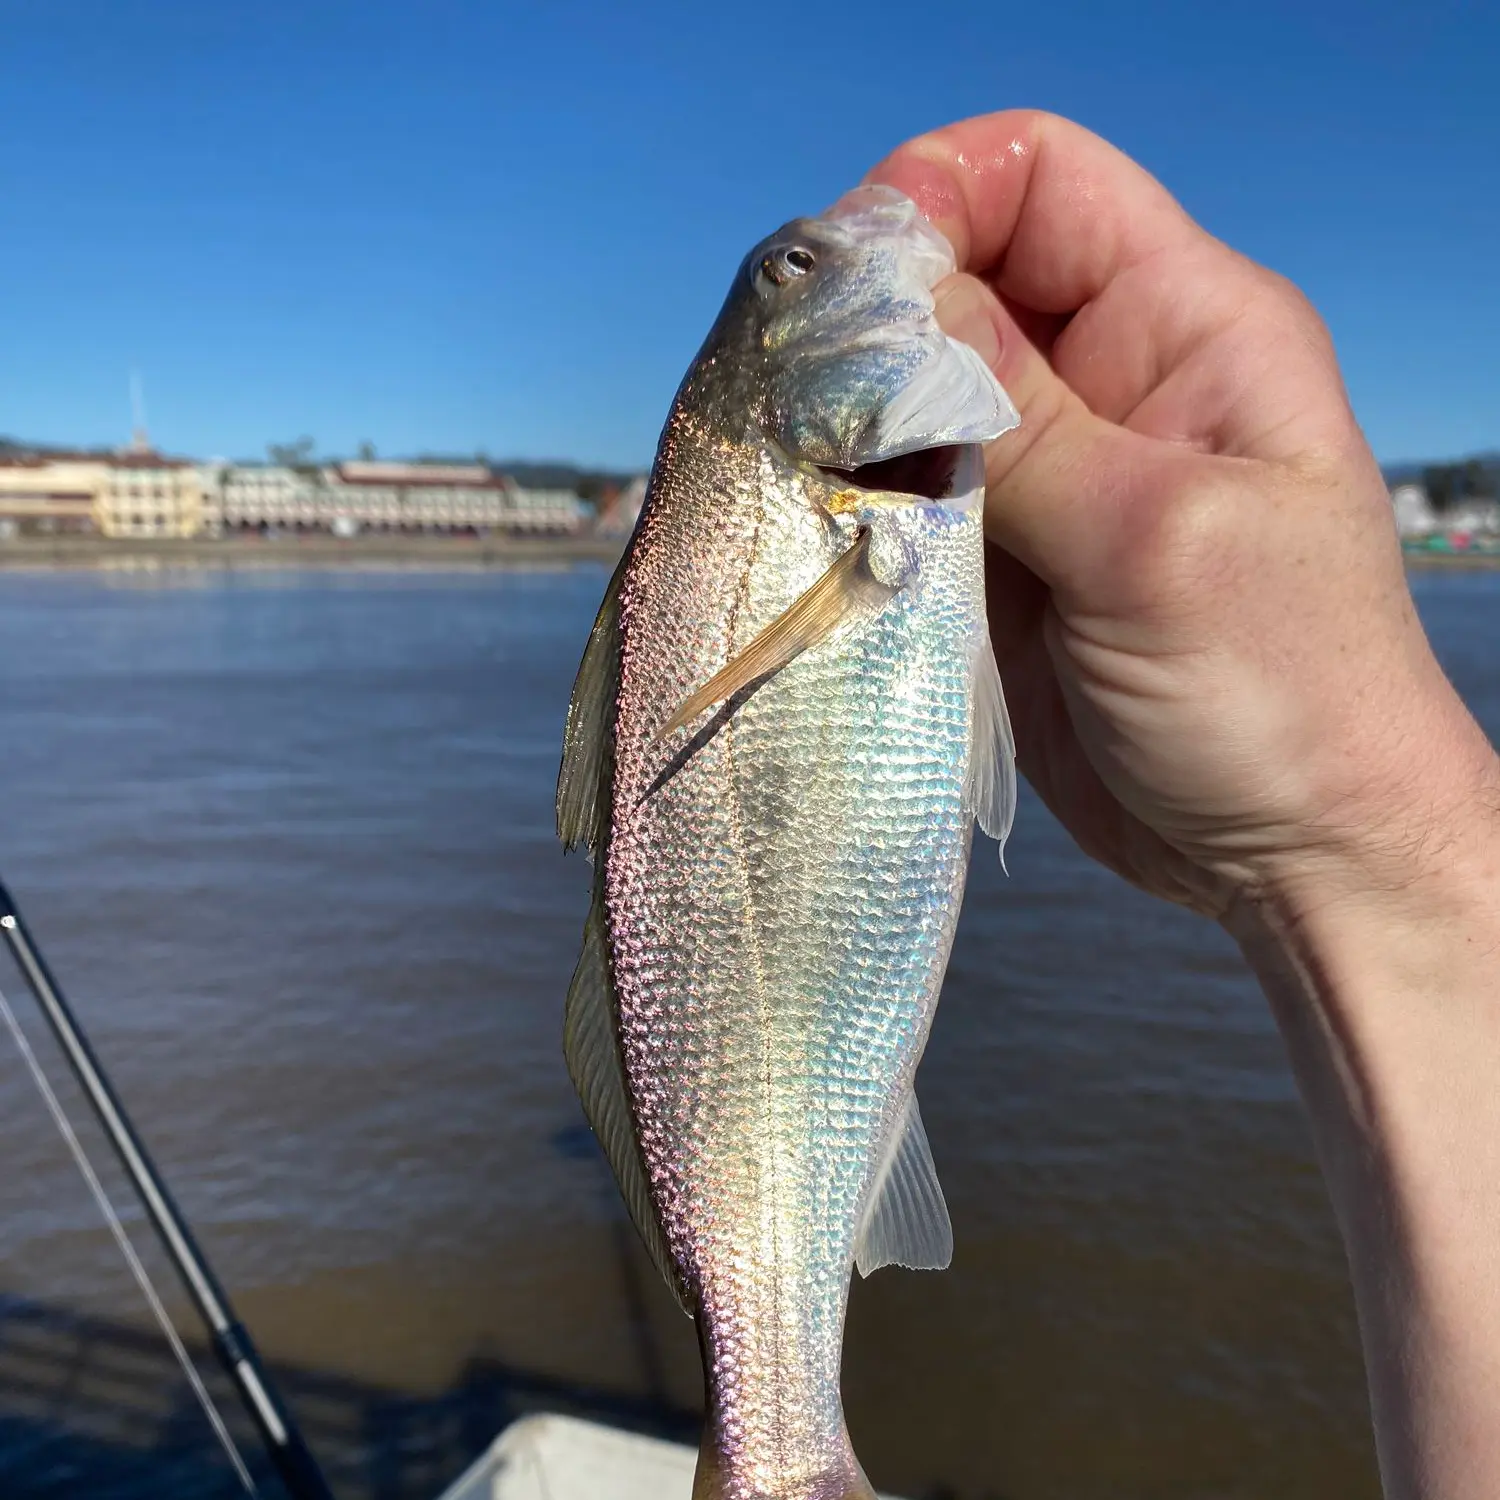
[588, 739]
[590, 1036]
[906, 1223]
[592, 1048]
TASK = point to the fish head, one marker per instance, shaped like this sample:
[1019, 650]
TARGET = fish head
[852, 375]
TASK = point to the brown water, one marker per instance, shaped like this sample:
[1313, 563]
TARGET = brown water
[287, 840]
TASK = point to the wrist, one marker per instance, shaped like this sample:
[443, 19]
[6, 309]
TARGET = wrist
[1383, 967]
[1413, 844]
[1388, 996]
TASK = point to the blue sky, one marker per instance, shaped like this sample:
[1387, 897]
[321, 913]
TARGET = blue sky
[457, 226]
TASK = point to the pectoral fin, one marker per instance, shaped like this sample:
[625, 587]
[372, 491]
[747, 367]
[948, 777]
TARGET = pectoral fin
[990, 786]
[846, 591]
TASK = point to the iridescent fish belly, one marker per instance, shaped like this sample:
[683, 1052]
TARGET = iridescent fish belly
[778, 881]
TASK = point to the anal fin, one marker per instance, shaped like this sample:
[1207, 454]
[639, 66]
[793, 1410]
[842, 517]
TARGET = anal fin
[906, 1223]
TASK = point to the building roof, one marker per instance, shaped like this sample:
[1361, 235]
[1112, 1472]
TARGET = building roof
[47, 460]
[470, 476]
[130, 459]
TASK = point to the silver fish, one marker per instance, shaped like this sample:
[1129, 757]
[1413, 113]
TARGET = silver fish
[787, 720]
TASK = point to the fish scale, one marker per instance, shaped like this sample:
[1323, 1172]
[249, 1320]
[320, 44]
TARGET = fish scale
[778, 882]
[819, 1017]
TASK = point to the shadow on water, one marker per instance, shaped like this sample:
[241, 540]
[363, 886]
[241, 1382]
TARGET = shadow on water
[92, 1408]
[98, 1408]
[95, 1408]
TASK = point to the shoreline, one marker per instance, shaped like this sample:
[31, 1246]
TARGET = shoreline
[376, 551]
[54, 554]
[1452, 561]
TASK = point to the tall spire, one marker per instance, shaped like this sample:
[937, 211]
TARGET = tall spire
[140, 440]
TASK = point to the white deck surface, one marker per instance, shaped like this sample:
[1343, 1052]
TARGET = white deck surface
[561, 1458]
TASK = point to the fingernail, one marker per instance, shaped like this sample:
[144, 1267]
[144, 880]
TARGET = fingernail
[966, 311]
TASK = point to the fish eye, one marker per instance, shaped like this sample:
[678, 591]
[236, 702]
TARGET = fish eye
[787, 264]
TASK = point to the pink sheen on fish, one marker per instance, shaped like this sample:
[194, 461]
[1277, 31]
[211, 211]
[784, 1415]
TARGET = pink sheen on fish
[787, 721]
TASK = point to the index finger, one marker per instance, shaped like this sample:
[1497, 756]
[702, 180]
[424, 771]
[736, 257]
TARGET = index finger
[1046, 211]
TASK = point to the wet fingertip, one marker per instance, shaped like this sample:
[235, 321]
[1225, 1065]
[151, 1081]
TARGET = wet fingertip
[924, 170]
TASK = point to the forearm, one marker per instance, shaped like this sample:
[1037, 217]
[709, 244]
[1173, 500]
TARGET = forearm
[1390, 1005]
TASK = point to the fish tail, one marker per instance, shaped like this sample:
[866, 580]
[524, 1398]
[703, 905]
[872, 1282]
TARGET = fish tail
[844, 1480]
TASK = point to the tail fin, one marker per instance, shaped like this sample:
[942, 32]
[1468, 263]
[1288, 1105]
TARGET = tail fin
[842, 1480]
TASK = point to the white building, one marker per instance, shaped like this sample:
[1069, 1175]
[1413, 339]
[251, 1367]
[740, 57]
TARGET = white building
[259, 497]
[1414, 515]
[390, 497]
[549, 511]
[1471, 518]
[1416, 518]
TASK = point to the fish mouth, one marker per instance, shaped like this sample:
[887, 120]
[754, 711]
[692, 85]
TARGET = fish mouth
[929, 474]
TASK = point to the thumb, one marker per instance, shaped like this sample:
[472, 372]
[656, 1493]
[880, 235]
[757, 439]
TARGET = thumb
[1060, 487]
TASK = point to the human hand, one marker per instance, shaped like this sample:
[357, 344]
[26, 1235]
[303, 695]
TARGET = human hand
[1219, 684]
[1216, 675]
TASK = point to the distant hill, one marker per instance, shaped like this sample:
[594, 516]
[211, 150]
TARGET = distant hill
[550, 474]
[541, 473]
[1411, 471]
[14, 448]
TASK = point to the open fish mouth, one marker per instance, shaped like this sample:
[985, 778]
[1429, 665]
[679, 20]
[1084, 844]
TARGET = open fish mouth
[932, 474]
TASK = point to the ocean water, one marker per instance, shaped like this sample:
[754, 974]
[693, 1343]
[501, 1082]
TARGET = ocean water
[287, 841]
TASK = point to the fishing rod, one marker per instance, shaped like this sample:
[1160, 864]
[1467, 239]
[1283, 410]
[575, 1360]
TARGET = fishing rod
[236, 1352]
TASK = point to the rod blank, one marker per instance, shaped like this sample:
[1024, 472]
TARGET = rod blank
[231, 1342]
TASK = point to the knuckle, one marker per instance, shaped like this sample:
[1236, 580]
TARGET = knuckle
[1191, 543]
[1293, 310]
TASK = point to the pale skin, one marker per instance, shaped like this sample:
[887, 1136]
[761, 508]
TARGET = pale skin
[1220, 685]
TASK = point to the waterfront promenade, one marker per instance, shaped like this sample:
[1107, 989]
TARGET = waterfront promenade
[367, 550]
[383, 550]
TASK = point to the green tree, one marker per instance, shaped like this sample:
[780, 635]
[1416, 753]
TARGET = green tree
[298, 455]
[1442, 483]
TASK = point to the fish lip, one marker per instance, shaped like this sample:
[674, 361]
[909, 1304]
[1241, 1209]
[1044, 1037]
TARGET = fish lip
[877, 212]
